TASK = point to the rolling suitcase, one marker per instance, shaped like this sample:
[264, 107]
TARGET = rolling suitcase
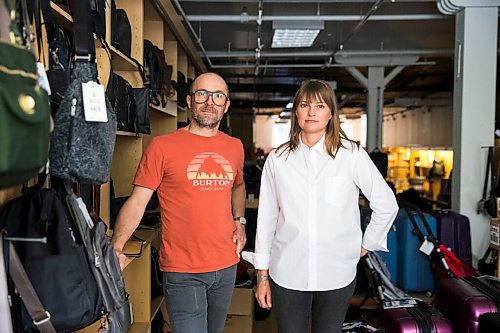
[464, 300]
[414, 267]
[422, 318]
[453, 231]
[391, 258]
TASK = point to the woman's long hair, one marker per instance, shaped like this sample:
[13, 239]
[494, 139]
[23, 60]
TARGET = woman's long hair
[311, 90]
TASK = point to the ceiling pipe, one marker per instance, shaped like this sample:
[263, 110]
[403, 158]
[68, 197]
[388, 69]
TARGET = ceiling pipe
[361, 23]
[259, 47]
[335, 18]
[419, 63]
[323, 54]
[188, 23]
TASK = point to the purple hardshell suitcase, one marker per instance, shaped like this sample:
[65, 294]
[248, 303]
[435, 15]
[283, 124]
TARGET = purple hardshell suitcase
[453, 231]
[463, 303]
[422, 318]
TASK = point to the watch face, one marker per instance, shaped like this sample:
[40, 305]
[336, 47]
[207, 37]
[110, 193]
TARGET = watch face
[242, 220]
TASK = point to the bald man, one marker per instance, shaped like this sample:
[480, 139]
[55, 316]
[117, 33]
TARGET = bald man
[197, 173]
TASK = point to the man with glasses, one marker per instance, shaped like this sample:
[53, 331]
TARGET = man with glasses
[197, 172]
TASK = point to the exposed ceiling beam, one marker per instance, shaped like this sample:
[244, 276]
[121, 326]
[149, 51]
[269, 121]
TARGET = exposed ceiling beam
[306, 1]
[326, 18]
[323, 54]
[245, 65]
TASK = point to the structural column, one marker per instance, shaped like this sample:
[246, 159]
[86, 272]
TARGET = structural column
[473, 107]
[375, 84]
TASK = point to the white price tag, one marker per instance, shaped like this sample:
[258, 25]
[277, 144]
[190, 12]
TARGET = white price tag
[43, 80]
[426, 247]
[94, 102]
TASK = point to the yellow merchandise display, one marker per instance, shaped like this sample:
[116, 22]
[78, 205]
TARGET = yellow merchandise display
[425, 170]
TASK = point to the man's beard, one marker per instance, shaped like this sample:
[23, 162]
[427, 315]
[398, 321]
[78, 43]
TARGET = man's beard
[207, 121]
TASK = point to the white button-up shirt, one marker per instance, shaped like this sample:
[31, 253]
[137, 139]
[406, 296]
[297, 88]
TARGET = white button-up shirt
[308, 225]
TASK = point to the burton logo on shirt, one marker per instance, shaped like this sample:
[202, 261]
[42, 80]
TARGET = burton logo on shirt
[210, 171]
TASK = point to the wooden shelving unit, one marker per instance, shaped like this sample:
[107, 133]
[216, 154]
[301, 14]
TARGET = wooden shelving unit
[146, 23]
[165, 30]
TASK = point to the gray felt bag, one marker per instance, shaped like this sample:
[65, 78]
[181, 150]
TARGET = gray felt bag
[81, 151]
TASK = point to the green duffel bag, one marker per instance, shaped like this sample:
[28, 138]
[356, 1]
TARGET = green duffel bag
[24, 117]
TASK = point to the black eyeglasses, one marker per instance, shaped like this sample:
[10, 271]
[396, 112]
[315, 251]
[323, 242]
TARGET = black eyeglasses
[201, 96]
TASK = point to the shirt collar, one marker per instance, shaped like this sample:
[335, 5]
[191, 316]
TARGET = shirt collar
[319, 147]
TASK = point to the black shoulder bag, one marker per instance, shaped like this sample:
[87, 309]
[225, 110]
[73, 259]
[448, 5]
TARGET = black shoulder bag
[81, 151]
[488, 205]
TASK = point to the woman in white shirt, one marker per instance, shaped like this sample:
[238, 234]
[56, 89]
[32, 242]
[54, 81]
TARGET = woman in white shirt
[309, 238]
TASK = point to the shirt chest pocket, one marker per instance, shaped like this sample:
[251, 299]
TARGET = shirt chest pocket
[338, 190]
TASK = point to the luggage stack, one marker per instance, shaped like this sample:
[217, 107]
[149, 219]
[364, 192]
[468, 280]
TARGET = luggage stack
[398, 311]
[466, 300]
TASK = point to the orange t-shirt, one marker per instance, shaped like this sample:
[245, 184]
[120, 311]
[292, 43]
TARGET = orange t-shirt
[194, 176]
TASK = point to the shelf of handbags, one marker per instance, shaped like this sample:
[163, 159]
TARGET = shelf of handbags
[160, 98]
[152, 41]
[153, 57]
[120, 61]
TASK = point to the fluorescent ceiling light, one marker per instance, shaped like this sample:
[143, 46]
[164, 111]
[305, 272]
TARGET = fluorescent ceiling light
[295, 33]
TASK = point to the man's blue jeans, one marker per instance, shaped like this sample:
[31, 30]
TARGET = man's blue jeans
[198, 302]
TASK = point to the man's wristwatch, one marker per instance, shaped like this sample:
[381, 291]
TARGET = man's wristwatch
[241, 219]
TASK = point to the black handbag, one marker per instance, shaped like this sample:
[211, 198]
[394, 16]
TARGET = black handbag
[142, 100]
[157, 74]
[80, 150]
[98, 9]
[121, 31]
[60, 46]
[122, 98]
[130, 104]
[488, 205]
[57, 268]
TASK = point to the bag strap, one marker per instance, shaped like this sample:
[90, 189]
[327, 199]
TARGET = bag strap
[486, 176]
[38, 26]
[5, 318]
[493, 181]
[40, 316]
[5, 19]
[82, 31]
[51, 27]
[27, 32]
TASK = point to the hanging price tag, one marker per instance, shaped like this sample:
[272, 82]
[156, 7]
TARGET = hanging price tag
[426, 247]
[43, 81]
[94, 102]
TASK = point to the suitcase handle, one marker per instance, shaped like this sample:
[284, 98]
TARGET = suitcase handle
[409, 207]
